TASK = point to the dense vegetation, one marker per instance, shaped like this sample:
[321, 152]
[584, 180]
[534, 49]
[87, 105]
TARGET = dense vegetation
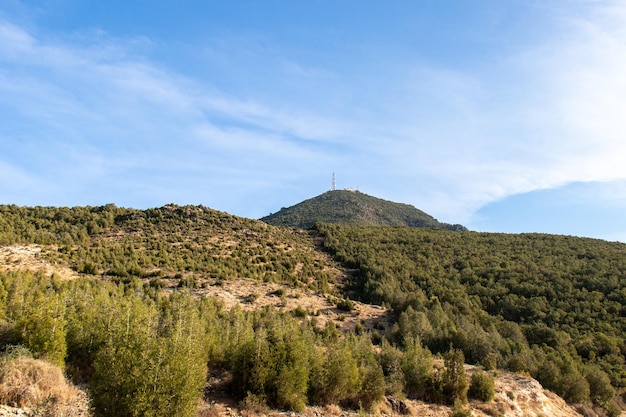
[143, 352]
[354, 208]
[553, 306]
[146, 354]
[168, 242]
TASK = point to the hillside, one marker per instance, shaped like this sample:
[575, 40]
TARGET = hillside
[283, 318]
[353, 208]
[552, 306]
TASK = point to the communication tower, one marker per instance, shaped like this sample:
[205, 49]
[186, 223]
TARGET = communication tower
[334, 183]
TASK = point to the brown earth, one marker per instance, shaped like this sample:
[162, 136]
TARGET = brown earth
[31, 257]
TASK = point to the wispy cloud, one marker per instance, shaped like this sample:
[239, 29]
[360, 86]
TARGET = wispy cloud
[548, 115]
[106, 114]
[446, 138]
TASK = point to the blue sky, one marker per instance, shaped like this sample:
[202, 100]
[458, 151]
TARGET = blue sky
[504, 116]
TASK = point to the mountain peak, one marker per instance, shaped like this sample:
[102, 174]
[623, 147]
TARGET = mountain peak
[355, 208]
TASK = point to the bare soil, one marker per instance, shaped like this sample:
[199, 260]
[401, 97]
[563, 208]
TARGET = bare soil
[31, 257]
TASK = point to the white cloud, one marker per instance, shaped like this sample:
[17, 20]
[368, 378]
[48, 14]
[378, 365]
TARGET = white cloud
[546, 117]
[448, 140]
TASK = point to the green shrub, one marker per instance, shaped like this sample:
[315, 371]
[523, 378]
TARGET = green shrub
[299, 312]
[460, 409]
[345, 305]
[417, 368]
[390, 359]
[454, 383]
[574, 388]
[601, 391]
[482, 387]
[336, 377]
[147, 368]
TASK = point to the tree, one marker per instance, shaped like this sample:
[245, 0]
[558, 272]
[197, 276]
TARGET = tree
[417, 367]
[600, 389]
[336, 378]
[454, 382]
[150, 365]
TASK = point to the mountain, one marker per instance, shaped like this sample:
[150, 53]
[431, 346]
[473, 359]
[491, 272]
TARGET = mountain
[282, 316]
[354, 208]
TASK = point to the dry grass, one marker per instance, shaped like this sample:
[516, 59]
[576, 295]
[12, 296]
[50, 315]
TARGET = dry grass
[212, 410]
[38, 385]
[32, 258]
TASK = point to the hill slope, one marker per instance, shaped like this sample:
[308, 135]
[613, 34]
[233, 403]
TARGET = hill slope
[552, 306]
[354, 208]
[558, 301]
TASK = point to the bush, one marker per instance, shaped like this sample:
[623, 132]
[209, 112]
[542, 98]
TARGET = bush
[482, 387]
[151, 367]
[390, 360]
[300, 312]
[601, 391]
[417, 368]
[460, 410]
[454, 384]
[575, 388]
[336, 378]
[345, 305]
[28, 382]
[40, 326]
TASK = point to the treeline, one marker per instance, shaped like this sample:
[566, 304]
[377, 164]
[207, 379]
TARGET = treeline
[166, 242]
[552, 306]
[143, 353]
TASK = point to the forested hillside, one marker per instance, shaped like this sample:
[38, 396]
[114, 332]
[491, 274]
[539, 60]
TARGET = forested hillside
[550, 306]
[354, 208]
[168, 242]
[553, 306]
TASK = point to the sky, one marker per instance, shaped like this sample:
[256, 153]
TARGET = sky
[501, 115]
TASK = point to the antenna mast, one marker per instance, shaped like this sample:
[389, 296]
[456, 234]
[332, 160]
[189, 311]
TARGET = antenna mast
[334, 183]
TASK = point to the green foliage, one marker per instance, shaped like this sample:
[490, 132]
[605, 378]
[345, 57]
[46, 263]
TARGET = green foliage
[417, 367]
[552, 306]
[334, 375]
[460, 409]
[151, 365]
[390, 359]
[453, 382]
[273, 363]
[482, 387]
[36, 315]
[345, 305]
[354, 208]
[166, 242]
[504, 300]
[600, 389]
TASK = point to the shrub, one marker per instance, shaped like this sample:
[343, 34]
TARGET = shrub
[417, 367]
[40, 326]
[390, 360]
[28, 382]
[454, 384]
[482, 387]
[460, 410]
[300, 312]
[151, 368]
[601, 391]
[336, 378]
[372, 385]
[345, 305]
[575, 388]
